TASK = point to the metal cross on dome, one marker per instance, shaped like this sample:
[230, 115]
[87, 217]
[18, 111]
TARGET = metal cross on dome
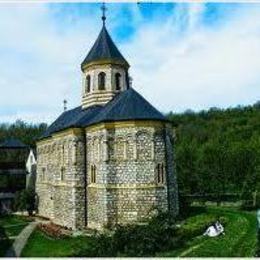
[65, 102]
[103, 8]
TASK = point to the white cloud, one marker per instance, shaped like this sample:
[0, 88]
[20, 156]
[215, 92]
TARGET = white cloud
[177, 62]
[204, 67]
[40, 65]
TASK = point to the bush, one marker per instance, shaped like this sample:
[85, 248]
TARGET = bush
[25, 200]
[135, 240]
[52, 230]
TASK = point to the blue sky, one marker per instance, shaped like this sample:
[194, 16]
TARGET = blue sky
[182, 55]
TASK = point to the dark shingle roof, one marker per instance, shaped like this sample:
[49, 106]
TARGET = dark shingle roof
[73, 118]
[12, 143]
[104, 48]
[128, 105]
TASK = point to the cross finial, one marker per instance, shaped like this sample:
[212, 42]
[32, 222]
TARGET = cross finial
[130, 82]
[65, 104]
[103, 8]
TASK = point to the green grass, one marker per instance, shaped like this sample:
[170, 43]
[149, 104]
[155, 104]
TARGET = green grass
[13, 224]
[41, 245]
[10, 226]
[239, 239]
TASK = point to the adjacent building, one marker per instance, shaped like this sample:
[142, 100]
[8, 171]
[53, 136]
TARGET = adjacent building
[13, 154]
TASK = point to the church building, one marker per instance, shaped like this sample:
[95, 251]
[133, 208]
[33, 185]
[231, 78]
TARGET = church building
[110, 160]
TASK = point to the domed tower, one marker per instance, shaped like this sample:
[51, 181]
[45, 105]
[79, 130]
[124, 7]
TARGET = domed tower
[110, 160]
[104, 71]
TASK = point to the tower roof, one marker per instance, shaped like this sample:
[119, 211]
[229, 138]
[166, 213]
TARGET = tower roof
[104, 49]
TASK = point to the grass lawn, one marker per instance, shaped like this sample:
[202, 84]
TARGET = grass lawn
[40, 244]
[10, 226]
[13, 224]
[240, 238]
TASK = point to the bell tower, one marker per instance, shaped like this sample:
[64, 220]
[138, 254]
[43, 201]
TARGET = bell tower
[104, 70]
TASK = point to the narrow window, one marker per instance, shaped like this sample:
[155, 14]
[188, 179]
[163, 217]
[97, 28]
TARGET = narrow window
[118, 79]
[101, 80]
[160, 173]
[62, 173]
[93, 174]
[43, 173]
[88, 83]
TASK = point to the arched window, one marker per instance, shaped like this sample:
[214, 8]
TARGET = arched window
[160, 173]
[88, 83]
[101, 80]
[93, 172]
[118, 79]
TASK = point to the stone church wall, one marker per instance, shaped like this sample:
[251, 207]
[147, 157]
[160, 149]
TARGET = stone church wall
[60, 179]
[126, 158]
[126, 187]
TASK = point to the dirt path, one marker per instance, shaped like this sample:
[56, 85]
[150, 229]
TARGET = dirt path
[21, 241]
[191, 249]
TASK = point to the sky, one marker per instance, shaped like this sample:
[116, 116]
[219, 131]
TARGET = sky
[182, 55]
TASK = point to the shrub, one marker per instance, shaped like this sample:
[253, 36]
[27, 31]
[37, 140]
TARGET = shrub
[52, 230]
[25, 200]
[135, 240]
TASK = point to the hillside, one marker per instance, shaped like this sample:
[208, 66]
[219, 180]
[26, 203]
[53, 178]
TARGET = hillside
[218, 151]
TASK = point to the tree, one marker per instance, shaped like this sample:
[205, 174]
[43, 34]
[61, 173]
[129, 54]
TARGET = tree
[25, 200]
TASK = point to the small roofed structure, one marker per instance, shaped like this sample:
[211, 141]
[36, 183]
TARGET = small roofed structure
[13, 155]
[13, 143]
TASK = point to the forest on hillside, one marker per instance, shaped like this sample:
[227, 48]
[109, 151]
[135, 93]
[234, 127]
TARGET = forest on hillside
[26, 133]
[218, 151]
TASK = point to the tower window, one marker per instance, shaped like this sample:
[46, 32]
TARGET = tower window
[93, 172]
[160, 173]
[88, 83]
[101, 80]
[118, 79]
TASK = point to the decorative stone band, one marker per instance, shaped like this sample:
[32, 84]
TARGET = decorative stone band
[124, 124]
[100, 97]
[62, 184]
[126, 186]
[105, 61]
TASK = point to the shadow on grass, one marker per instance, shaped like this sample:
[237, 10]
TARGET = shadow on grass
[5, 244]
[192, 211]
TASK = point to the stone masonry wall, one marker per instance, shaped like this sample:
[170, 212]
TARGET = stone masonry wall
[126, 187]
[60, 179]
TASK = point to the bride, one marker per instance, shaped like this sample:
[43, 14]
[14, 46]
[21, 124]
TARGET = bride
[214, 230]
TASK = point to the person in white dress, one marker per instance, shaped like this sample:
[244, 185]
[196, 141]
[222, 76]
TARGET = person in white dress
[214, 230]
